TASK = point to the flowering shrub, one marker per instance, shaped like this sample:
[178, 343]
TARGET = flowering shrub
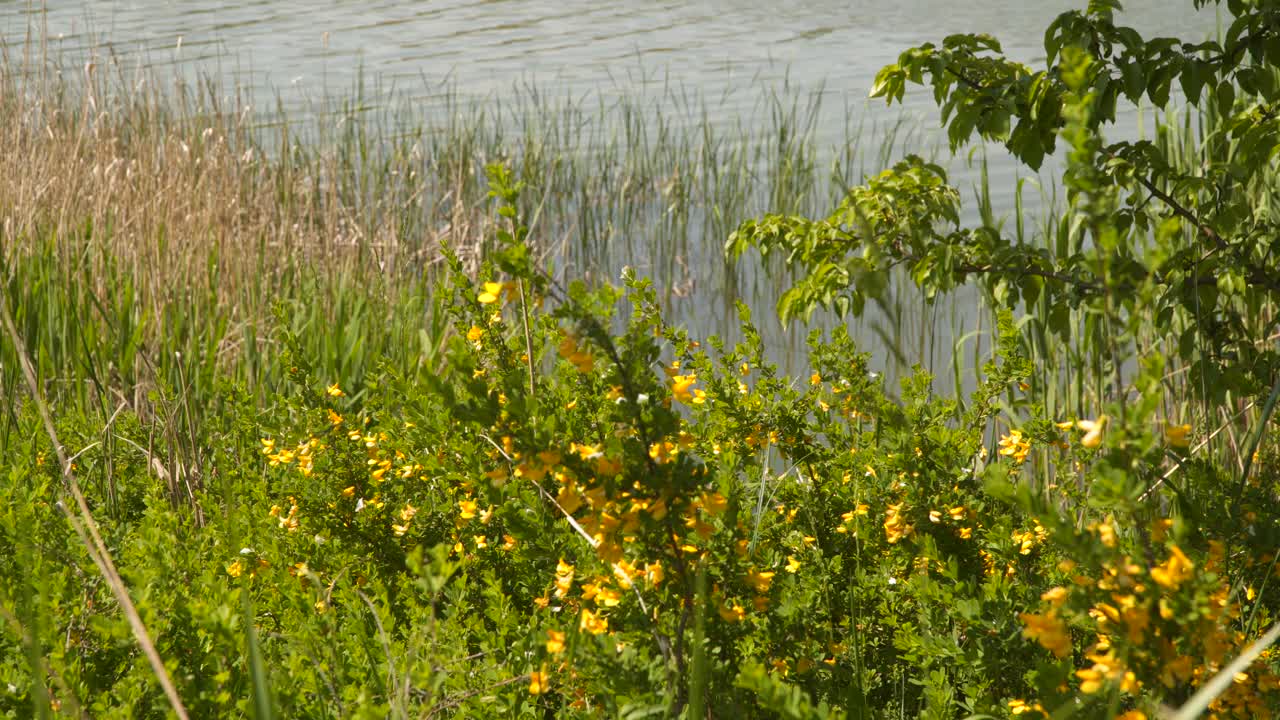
[600, 522]
[592, 514]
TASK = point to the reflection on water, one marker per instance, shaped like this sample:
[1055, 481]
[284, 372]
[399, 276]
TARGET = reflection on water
[726, 53]
[575, 45]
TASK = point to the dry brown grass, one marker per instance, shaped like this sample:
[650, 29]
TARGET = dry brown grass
[169, 177]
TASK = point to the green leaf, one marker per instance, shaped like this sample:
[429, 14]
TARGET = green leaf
[1195, 74]
[1225, 95]
[1134, 80]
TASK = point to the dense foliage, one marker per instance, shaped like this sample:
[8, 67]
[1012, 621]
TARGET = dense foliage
[589, 513]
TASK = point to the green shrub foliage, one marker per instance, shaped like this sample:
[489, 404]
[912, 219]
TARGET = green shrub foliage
[589, 513]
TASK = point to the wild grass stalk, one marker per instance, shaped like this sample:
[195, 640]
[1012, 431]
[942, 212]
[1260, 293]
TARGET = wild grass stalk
[155, 224]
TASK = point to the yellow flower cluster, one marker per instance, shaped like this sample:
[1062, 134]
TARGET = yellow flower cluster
[682, 389]
[896, 526]
[239, 566]
[664, 451]
[287, 521]
[1106, 668]
[1015, 446]
[1022, 707]
[406, 516]
[849, 518]
[564, 578]
[570, 350]
[1174, 571]
[555, 642]
[1027, 540]
[1178, 436]
[760, 581]
[731, 612]
[303, 454]
[496, 292]
[538, 681]
[1092, 431]
[1049, 630]
[590, 622]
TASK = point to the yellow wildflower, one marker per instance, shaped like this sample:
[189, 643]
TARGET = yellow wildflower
[1178, 670]
[1160, 529]
[654, 573]
[1049, 630]
[579, 358]
[663, 452]
[564, 577]
[702, 529]
[235, 569]
[792, 564]
[1026, 541]
[568, 498]
[1177, 435]
[714, 503]
[1015, 446]
[681, 387]
[593, 623]
[1092, 431]
[493, 292]
[1019, 707]
[1056, 596]
[608, 597]
[555, 642]
[731, 612]
[538, 681]
[407, 513]
[1174, 571]
[334, 391]
[1107, 532]
[1105, 668]
[760, 580]
[895, 526]
[305, 463]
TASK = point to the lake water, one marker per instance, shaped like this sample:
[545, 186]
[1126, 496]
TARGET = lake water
[730, 52]
[576, 46]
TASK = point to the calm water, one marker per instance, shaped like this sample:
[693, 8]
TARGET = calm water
[577, 46]
[729, 52]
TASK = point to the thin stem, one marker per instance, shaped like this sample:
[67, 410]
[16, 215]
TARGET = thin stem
[85, 527]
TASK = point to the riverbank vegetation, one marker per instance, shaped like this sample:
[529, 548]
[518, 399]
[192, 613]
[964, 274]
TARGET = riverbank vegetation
[336, 429]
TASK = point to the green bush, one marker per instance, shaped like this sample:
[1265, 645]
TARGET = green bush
[589, 513]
